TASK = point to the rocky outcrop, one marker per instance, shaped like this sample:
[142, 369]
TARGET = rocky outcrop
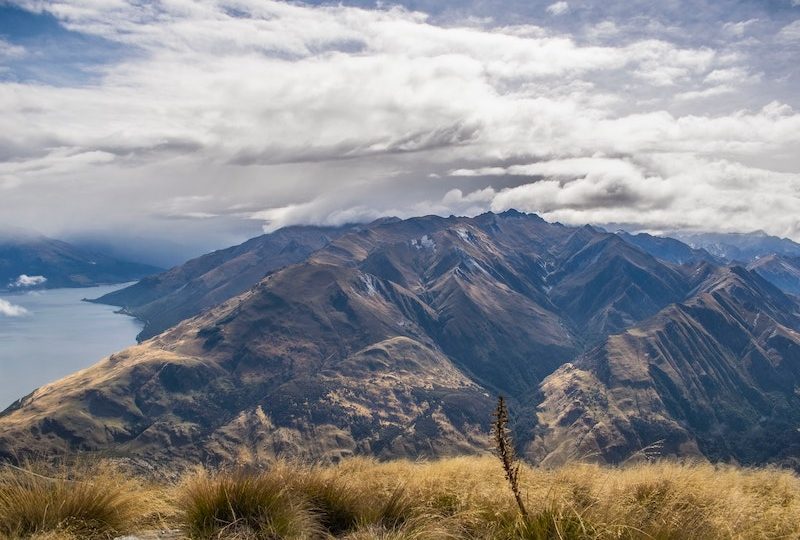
[717, 375]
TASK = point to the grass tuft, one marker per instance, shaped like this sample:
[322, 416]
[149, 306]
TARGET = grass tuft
[243, 504]
[337, 503]
[363, 499]
[82, 500]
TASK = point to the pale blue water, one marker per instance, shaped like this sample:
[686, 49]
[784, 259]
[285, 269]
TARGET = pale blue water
[58, 336]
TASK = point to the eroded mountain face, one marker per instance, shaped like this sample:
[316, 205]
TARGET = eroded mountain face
[394, 338]
[783, 271]
[717, 375]
[163, 300]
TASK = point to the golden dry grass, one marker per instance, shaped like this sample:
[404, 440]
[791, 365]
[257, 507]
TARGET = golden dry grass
[468, 497]
[71, 500]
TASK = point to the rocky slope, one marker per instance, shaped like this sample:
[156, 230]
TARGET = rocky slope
[165, 299]
[668, 249]
[782, 271]
[394, 338]
[717, 375]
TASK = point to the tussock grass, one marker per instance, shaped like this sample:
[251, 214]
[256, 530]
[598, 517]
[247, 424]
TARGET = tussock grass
[80, 500]
[338, 503]
[242, 503]
[465, 497]
[469, 497]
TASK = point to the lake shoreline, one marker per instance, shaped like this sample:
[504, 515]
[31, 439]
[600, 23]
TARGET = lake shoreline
[46, 334]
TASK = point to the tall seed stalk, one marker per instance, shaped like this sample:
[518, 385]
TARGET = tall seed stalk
[504, 448]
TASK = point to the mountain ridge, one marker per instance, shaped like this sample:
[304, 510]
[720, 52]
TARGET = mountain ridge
[393, 338]
[33, 260]
[162, 300]
[693, 368]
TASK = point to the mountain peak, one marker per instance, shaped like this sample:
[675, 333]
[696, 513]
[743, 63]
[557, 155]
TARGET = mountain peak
[390, 338]
[385, 220]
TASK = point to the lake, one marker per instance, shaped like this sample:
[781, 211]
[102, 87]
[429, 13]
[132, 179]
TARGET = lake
[47, 334]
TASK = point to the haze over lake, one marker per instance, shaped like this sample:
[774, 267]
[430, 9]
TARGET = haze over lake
[57, 335]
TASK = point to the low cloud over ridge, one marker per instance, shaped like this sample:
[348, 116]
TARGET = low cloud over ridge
[237, 111]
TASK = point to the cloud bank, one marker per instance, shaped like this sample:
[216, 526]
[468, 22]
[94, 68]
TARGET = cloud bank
[262, 112]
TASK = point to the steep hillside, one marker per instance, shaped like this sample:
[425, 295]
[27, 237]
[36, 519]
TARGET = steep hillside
[607, 285]
[395, 337]
[393, 340]
[165, 299]
[667, 249]
[37, 261]
[780, 270]
[717, 375]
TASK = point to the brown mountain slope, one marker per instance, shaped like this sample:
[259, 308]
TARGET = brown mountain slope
[392, 340]
[716, 375]
[159, 405]
[165, 299]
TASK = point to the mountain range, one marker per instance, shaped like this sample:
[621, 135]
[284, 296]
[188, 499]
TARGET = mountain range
[32, 260]
[741, 247]
[394, 339]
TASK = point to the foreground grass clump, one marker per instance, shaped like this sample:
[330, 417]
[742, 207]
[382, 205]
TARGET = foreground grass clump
[241, 503]
[83, 500]
[469, 498]
[363, 499]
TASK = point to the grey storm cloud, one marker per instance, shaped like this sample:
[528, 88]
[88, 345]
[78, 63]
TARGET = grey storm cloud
[233, 114]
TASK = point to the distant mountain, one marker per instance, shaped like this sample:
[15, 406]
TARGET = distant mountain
[29, 260]
[394, 338]
[742, 247]
[780, 270]
[666, 248]
[165, 299]
[775, 259]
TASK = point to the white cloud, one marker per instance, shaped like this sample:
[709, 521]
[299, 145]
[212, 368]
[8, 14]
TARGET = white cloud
[25, 280]
[289, 113]
[731, 75]
[320, 211]
[603, 30]
[8, 181]
[790, 32]
[558, 8]
[9, 50]
[662, 64]
[7, 309]
[739, 28]
[613, 190]
[710, 92]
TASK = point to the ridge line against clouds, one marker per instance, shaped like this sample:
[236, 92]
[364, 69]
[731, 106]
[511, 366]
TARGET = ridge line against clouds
[229, 114]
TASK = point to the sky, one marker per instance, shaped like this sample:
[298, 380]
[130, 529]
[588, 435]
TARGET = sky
[170, 128]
